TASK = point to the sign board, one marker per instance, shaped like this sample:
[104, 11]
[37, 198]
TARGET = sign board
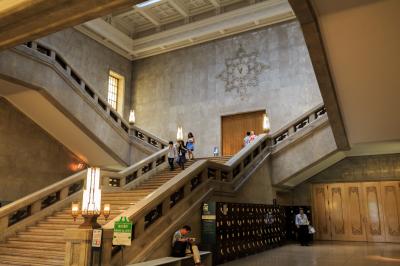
[122, 232]
[96, 238]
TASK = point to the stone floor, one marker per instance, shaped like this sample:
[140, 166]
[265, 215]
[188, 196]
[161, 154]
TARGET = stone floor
[326, 254]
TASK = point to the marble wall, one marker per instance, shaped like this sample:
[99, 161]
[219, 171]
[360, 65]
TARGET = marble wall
[266, 69]
[92, 61]
[30, 159]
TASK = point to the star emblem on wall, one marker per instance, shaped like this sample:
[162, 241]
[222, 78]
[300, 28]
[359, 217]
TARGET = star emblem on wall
[241, 72]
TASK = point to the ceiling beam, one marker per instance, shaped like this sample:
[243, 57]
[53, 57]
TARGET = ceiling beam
[149, 15]
[279, 10]
[179, 6]
[25, 20]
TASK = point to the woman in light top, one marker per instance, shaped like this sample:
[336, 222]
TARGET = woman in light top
[190, 145]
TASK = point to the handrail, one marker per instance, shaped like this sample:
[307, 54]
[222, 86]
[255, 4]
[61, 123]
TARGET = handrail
[27, 206]
[246, 150]
[136, 211]
[137, 172]
[299, 124]
[90, 94]
[157, 204]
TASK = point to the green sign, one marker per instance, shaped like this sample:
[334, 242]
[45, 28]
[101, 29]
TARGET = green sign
[122, 232]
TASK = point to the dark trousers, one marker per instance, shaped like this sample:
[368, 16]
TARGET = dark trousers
[303, 235]
[181, 161]
[171, 163]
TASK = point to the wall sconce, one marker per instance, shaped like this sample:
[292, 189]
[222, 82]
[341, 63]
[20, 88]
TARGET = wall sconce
[179, 134]
[91, 201]
[132, 118]
[266, 124]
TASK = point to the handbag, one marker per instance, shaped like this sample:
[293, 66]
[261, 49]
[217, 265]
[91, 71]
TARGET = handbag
[311, 230]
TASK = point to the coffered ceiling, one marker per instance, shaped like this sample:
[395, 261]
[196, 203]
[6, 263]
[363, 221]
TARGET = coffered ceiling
[155, 27]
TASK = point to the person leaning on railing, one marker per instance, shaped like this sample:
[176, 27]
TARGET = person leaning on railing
[183, 245]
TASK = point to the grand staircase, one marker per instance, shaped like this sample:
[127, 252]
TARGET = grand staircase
[44, 244]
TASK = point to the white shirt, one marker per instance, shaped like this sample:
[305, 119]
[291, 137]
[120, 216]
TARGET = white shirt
[301, 219]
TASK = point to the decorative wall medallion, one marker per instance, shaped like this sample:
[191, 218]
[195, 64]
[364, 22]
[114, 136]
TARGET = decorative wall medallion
[241, 72]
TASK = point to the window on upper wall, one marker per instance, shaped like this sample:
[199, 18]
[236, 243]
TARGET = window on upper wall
[115, 95]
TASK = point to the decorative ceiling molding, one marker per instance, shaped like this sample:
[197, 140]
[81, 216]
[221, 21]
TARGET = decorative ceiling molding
[245, 18]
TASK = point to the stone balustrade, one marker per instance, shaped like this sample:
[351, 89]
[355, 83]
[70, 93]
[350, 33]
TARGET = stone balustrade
[135, 174]
[299, 124]
[202, 173]
[37, 205]
[91, 95]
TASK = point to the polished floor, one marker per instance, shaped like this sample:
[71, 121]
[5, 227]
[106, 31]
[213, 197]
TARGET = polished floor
[326, 254]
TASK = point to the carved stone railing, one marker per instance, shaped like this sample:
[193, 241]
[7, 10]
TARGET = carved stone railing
[299, 124]
[202, 172]
[25, 211]
[20, 213]
[135, 174]
[90, 95]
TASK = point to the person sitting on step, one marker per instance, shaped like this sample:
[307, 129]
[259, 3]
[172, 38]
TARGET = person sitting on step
[183, 245]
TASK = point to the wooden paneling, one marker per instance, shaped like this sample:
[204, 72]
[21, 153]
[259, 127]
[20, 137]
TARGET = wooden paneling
[355, 225]
[390, 193]
[234, 128]
[373, 211]
[321, 212]
[337, 211]
[364, 211]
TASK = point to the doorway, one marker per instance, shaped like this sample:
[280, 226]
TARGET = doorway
[362, 211]
[234, 128]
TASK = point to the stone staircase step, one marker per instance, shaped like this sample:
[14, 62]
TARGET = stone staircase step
[43, 244]
[41, 233]
[19, 260]
[45, 254]
[34, 245]
[41, 239]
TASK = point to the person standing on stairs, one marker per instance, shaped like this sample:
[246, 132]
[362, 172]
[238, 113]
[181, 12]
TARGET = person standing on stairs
[183, 245]
[181, 150]
[253, 136]
[171, 155]
[246, 140]
[190, 145]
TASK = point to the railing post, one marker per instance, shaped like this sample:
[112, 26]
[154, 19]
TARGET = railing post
[53, 55]
[291, 130]
[34, 46]
[218, 174]
[139, 227]
[3, 227]
[165, 206]
[106, 247]
[311, 117]
[64, 193]
[186, 189]
[36, 207]
[78, 246]
[68, 70]
[122, 182]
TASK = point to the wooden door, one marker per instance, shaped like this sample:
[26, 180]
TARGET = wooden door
[355, 225]
[373, 212]
[234, 128]
[390, 193]
[321, 212]
[337, 204]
